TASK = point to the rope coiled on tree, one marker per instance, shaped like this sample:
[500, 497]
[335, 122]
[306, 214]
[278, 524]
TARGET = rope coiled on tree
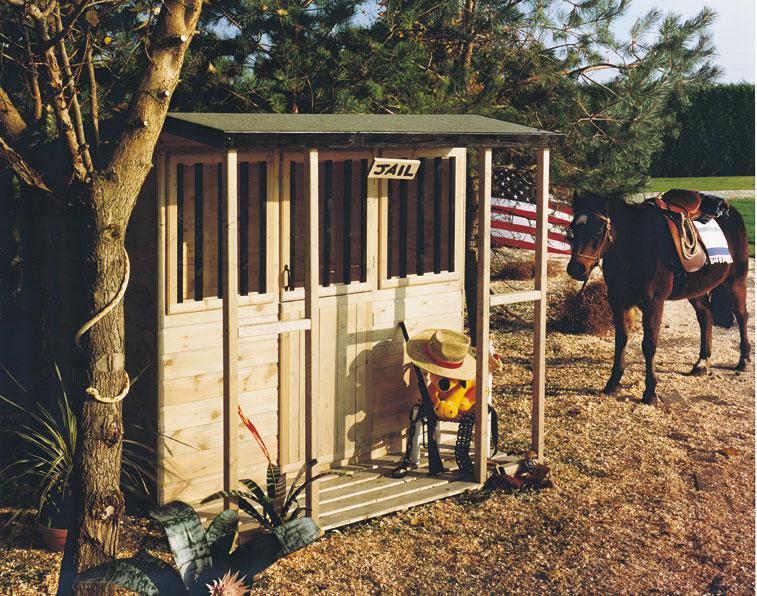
[91, 322]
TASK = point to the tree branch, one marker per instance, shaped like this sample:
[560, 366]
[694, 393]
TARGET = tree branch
[12, 123]
[94, 107]
[33, 77]
[132, 156]
[71, 84]
[18, 165]
[65, 124]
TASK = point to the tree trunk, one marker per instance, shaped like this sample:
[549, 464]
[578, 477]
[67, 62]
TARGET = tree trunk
[93, 537]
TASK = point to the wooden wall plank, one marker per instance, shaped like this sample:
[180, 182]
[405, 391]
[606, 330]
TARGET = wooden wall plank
[210, 410]
[187, 390]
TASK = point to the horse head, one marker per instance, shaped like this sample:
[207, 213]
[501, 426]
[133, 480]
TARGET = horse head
[590, 234]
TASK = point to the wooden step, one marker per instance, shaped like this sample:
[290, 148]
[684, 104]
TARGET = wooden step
[397, 501]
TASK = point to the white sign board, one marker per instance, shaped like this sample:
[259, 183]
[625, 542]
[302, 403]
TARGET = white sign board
[387, 167]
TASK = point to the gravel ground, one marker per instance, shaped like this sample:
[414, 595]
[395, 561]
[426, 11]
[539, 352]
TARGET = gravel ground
[646, 499]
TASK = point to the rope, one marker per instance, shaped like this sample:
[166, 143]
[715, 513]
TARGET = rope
[91, 322]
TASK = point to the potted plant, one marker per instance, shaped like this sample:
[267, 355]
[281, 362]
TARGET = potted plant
[48, 441]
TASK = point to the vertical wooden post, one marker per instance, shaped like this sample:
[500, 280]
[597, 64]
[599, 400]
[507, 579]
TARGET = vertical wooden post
[161, 201]
[312, 335]
[230, 331]
[540, 306]
[482, 313]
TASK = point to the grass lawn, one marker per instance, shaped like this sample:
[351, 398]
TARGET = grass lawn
[710, 183]
[746, 208]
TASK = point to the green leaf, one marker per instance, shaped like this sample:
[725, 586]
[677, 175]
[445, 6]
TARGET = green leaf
[277, 486]
[187, 538]
[265, 502]
[265, 548]
[220, 534]
[144, 574]
[246, 502]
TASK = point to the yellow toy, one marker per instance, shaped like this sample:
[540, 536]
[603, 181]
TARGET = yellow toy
[452, 398]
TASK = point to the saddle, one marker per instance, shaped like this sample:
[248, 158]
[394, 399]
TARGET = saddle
[681, 208]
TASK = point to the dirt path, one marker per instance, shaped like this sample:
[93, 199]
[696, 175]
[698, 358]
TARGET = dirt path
[647, 499]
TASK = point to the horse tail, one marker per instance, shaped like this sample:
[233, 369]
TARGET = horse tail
[721, 306]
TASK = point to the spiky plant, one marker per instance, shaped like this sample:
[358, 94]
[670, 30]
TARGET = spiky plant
[49, 444]
[201, 556]
[228, 585]
[274, 506]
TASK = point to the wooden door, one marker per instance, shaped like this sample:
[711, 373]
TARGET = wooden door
[348, 236]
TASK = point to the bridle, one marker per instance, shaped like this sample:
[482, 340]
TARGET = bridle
[605, 239]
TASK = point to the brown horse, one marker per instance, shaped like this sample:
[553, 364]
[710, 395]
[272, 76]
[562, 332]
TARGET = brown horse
[641, 269]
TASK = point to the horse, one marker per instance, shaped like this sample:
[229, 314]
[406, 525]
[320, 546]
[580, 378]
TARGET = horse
[641, 269]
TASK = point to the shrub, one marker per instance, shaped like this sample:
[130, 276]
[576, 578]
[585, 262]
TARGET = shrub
[573, 311]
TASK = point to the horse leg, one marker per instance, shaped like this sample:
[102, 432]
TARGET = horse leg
[651, 319]
[704, 316]
[622, 319]
[737, 292]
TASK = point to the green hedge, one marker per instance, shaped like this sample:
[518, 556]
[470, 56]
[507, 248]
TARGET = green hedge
[714, 135]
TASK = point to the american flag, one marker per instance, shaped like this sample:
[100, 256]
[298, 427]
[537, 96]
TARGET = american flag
[514, 222]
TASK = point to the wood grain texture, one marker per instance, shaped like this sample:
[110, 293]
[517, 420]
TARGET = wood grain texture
[230, 323]
[481, 450]
[540, 306]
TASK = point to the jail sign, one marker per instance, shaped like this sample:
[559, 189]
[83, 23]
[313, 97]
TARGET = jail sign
[387, 167]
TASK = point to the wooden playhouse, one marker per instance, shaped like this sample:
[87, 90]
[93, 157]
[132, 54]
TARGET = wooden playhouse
[277, 271]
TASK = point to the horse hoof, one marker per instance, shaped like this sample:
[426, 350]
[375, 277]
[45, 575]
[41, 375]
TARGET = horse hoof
[649, 399]
[611, 389]
[699, 371]
[741, 366]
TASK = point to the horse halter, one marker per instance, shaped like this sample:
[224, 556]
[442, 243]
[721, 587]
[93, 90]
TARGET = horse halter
[605, 238]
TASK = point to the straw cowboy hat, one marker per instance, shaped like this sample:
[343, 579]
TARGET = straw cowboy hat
[443, 352]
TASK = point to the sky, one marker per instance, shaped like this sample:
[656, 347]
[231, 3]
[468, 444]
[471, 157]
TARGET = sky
[732, 33]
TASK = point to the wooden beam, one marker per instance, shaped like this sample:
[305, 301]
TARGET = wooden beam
[199, 243]
[263, 226]
[515, 297]
[161, 200]
[179, 264]
[230, 341]
[482, 313]
[540, 306]
[274, 327]
[312, 336]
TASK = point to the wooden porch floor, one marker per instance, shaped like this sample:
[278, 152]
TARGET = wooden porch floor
[369, 491]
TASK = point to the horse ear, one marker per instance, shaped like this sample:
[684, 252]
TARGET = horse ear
[576, 195]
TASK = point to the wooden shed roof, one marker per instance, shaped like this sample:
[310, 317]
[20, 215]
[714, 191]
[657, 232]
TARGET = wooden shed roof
[353, 130]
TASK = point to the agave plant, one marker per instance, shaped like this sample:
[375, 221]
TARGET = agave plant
[203, 559]
[274, 506]
[49, 439]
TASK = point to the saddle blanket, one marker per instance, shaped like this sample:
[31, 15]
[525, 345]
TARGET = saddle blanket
[714, 242]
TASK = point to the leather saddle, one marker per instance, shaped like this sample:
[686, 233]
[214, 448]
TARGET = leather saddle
[681, 208]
